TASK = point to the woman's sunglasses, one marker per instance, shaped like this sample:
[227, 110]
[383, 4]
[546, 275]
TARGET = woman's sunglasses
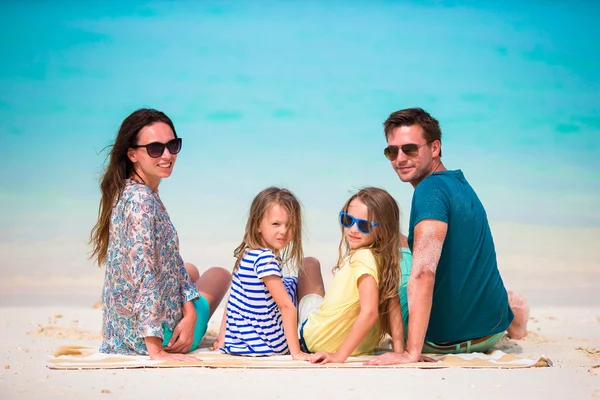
[410, 149]
[156, 149]
[364, 226]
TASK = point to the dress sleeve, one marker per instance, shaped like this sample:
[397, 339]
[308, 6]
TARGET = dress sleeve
[188, 288]
[267, 264]
[362, 262]
[144, 267]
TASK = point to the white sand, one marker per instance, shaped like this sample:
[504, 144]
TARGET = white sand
[556, 269]
[569, 336]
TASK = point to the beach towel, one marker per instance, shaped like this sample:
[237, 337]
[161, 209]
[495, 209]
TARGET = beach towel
[85, 358]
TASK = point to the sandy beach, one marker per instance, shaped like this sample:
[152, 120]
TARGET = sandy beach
[564, 326]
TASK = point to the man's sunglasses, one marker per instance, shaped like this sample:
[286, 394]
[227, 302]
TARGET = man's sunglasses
[410, 149]
[364, 226]
[156, 149]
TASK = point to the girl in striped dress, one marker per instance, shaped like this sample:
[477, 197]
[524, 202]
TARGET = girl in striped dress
[260, 318]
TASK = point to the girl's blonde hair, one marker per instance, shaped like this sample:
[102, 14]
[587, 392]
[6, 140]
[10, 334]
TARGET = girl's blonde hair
[383, 210]
[292, 254]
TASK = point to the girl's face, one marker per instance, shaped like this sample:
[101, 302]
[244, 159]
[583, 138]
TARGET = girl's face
[152, 170]
[275, 229]
[356, 239]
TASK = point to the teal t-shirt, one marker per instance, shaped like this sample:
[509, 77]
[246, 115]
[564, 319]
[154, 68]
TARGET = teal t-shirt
[469, 297]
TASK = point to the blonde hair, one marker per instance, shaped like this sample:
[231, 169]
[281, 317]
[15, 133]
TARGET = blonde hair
[292, 254]
[385, 248]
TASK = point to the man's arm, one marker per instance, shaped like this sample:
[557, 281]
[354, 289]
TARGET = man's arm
[429, 236]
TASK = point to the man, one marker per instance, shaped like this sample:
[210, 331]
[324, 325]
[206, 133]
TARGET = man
[457, 300]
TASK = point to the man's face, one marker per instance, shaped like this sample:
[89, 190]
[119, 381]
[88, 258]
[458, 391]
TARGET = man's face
[414, 167]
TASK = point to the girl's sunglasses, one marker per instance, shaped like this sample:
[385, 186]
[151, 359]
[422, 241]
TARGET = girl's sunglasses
[156, 149]
[364, 226]
[410, 149]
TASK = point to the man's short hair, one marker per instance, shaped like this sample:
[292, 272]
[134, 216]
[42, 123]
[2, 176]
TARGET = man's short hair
[414, 116]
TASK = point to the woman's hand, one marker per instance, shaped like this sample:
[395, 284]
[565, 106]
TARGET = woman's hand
[157, 352]
[183, 334]
[324, 357]
[166, 356]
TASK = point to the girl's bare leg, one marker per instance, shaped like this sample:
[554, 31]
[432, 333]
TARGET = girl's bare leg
[310, 279]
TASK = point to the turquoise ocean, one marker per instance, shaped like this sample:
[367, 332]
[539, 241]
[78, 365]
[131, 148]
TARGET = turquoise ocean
[290, 93]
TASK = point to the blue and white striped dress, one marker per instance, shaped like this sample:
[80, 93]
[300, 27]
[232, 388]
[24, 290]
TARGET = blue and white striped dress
[254, 323]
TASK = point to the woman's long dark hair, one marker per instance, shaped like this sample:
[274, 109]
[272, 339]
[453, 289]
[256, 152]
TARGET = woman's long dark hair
[120, 168]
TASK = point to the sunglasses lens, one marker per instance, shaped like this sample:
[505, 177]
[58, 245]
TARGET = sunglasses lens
[174, 146]
[346, 220]
[364, 226]
[155, 150]
[391, 152]
[410, 149]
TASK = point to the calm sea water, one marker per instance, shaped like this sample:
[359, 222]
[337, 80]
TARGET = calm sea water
[294, 94]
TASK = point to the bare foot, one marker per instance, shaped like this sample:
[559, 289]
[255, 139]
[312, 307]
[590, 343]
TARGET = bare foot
[518, 327]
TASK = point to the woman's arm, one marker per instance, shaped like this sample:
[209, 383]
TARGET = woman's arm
[141, 276]
[183, 335]
[143, 264]
[288, 313]
[367, 317]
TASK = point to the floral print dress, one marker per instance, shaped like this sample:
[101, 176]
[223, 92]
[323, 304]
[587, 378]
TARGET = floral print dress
[146, 283]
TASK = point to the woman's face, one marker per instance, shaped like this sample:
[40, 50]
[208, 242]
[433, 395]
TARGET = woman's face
[150, 169]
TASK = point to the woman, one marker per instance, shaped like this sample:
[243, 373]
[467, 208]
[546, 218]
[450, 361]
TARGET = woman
[152, 302]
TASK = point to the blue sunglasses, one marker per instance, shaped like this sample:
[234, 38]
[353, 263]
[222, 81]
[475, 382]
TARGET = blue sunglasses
[364, 226]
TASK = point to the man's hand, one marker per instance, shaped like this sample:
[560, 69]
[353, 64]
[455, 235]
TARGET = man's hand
[324, 357]
[398, 358]
[183, 335]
